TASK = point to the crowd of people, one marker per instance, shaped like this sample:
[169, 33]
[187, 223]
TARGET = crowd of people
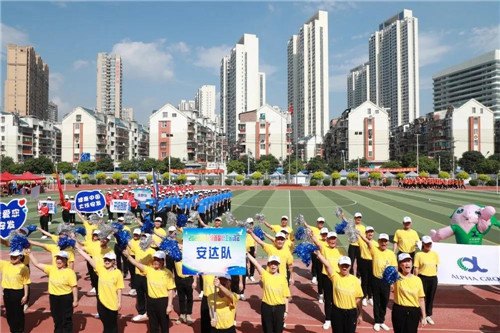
[432, 183]
[346, 282]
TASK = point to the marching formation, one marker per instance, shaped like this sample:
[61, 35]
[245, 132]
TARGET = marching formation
[346, 282]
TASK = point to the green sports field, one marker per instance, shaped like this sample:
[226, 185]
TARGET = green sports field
[384, 210]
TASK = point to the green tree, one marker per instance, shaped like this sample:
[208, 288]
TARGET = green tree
[16, 168]
[335, 164]
[400, 175]
[423, 174]
[239, 178]
[409, 159]
[39, 165]
[117, 176]
[69, 177]
[487, 166]
[253, 165]
[462, 175]
[130, 165]
[469, 160]
[257, 176]
[64, 167]
[352, 176]
[6, 162]
[376, 175]
[86, 167]
[483, 178]
[175, 162]
[273, 161]
[165, 176]
[100, 176]
[353, 164]
[427, 164]
[318, 175]
[391, 164]
[495, 157]
[446, 160]
[181, 179]
[235, 165]
[264, 166]
[295, 166]
[149, 178]
[133, 176]
[105, 164]
[85, 178]
[316, 164]
[149, 164]
[443, 175]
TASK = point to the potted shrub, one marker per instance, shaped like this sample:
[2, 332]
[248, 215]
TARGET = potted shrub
[267, 182]
[335, 176]
[228, 181]
[326, 182]
[210, 181]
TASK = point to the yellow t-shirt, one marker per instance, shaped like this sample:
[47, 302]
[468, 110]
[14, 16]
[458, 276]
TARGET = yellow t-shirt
[381, 260]
[316, 231]
[133, 243]
[178, 270]
[365, 250]
[275, 287]
[89, 228]
[362, 230]
[332, 256]
[408, 290]
[14, 276]
[143, 257]
[97, 252]
[109, 283]
[208, 285]
[426, 263]
[407, 240]
[284, 254]
[54, 249]
[225, 310]
[157, 239]
[289, 245]
[277, 228]
[160, 281]
[61, 281]
[345, 291]
[249, 242]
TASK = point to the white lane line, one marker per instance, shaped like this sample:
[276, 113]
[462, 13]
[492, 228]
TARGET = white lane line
[290, 208]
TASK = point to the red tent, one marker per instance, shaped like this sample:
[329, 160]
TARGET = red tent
[28, 176]
[6, 177]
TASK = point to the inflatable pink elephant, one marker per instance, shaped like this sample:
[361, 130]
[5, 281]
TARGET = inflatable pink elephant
[469, 224]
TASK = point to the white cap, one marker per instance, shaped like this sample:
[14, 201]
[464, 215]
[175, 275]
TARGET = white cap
[217, 218]
[331, 234]
[249, 220]
[406, 219]
[403, 256]
[274, 258]
[158, 219]
[345, 261]
[280, 234]
[323, 231]
[383, 236]
[62, 254]
[320, 219]
[159, 255]
[66, 197]
[284, 230]
[48, 198]
[16, 253]
[121, 218]
[110, 256]
[358, 214]
[171, 228]
[369, 228]
[224, 276]
[136, 231]
[426, 240]
[71, 197]
[284, 217]
[96, 232]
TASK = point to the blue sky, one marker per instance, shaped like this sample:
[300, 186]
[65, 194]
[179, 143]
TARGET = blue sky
[169, 49]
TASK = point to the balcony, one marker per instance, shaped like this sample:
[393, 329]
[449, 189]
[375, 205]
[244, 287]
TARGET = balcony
[27, 152]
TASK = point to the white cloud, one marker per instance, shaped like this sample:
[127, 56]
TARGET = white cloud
[485, 39]
[338, 83]
[329, 5]
[211, 57]
[432, 48]
[62, 106]
[12, 35]
[179, 47]
[79, 64]
[268, 69]
[149, 61]
[364, 35]
[56, 81]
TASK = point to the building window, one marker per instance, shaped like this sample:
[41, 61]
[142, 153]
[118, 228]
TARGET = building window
[77, 126]
[174, 115]
[481, 110]
[376, 111]
[163, 145]
[473, 110]
[370, 154]
[163, 135]
[3, 120]
[165, 114]
[163, 124]
[78, 117]
[476, 142]
[163, 154]
[369, 111]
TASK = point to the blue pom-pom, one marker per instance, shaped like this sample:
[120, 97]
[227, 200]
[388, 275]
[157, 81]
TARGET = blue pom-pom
[304, 251]
[81, 231]
[122, 239]
[182, 220]
[340, 228]
[171, 247]
[19, 243]
[117, 226]
[147, 227]
[65, 242]
[300, 234]
[390, 275]
[32, 228]
[259, 233]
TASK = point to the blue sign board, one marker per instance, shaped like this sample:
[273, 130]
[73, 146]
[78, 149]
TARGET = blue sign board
[85, 157]
[13, 215]
[90, 201]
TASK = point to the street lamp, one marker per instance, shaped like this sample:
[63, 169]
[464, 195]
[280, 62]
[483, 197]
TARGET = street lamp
[248, 161]
[417, 135]
[169, 153]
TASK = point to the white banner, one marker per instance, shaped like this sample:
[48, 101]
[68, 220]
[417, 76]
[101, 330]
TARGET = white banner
[142, 194]
[73, 207]
[119, 206]
[468, 264]
[35, 192]
[52, 206]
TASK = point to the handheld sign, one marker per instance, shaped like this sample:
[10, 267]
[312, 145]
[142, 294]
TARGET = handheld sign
[214, 251]
[51, 204]
[90, 201]
[73, 207]
[13, 215]
[142, 194]
[119, 206]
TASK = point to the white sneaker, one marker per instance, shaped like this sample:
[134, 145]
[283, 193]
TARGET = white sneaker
[321, 299]
[43, 237]
[200, 296]
[314, 280]
[92, 291]
[252, 279]
[132, 292]
[235, 323]
[364, 302]
[376, 327]
[25, 308]
[242, 297]
[50, 223]
[96, 316]
[284, 325]
[385, 327]
[429, 320]
[370, 301]
[327, 324]
[139, 317]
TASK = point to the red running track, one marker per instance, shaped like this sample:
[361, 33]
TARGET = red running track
[457, 308]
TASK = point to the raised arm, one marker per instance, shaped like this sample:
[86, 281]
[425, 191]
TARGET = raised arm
[366, 240]
[34, 261]
[314, 239]
[268, 236]
[42, 245]
[134, 262]
[46, 233]
[267, 224]
[257, 239]
[85, 255]
[226, 291]
[254, 261]
[325, 262]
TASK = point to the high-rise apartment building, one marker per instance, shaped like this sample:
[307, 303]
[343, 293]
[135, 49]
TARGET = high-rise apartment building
[109, 84]
[262, 88]
[205, 101]
[477, 78]
[52, 112]
[187, 105]
[128, 114]
[308, 93]
[240, 84]
[394, 75]
[27, 83]
[358, 86]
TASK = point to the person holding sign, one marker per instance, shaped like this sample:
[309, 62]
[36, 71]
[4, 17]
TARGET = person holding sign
[224, 302]
[161, 293]
[15, 284]
[109, 295]
[63, 292]
[43, 212]
[274, 306]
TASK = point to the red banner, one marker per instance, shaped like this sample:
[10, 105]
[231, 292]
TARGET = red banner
[392, 170]
[196, 171]
[59, 187]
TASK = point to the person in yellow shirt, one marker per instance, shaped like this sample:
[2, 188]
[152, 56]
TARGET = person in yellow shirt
[365, 267]
[316, 264]
[110, 287]
[409, 305]
[53, 248]
[382, 258]
[63, 292]
[207, 292]
[347, 294]
[332, 255]
[161, 291]
[250, 248]
[15, 283]
[97, 250]
[224, 302]
[184, 285]
[405, 240]
[274, 306]
[425, 267]
[136, 236]
[283, 224]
